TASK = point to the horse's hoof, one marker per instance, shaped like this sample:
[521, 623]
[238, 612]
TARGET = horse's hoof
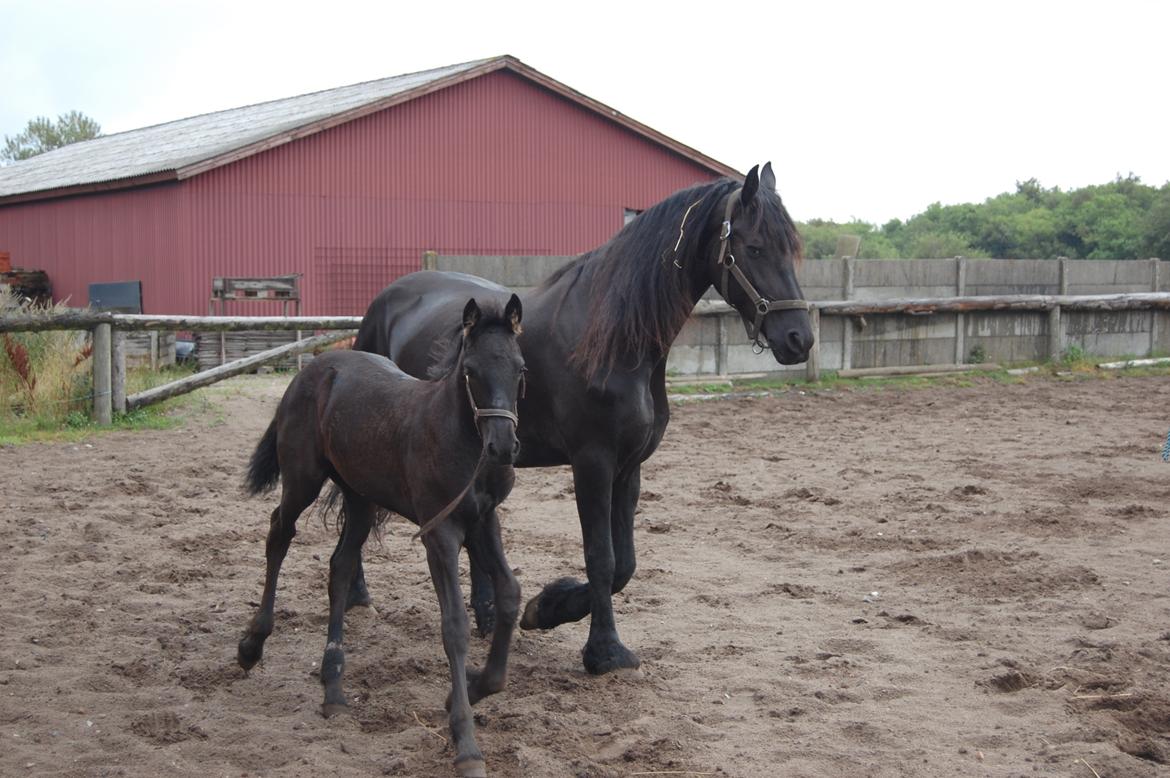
[331, 709]
[607, 657]
[471, 768]
[531, 617]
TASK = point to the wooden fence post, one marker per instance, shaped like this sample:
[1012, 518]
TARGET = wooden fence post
[721, 346]
[1055, 334]
[847, 329]
[118, 372]
[1155, 282]
[102, 405]
[960, 318]
[813, 366]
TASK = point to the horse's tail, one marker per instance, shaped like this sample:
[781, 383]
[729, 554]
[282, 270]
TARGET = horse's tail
[264, 467]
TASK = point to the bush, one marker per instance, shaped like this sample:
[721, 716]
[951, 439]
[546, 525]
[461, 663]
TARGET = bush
[45, 377]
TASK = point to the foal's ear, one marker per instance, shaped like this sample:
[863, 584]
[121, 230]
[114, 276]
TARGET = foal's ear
[513, 312]
[470, 316]
[767, 177]
[751, 185]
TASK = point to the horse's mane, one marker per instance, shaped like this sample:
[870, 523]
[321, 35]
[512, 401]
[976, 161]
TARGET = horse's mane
[638, 297]
[445, 353]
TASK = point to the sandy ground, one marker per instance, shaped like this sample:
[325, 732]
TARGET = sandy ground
[905, 582]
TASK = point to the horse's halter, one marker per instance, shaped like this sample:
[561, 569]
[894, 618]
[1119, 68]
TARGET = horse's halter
[482, 413]
[763, 305]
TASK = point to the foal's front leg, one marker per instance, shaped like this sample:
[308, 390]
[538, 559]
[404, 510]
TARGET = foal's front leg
[343, 563]
[487, 554]
[442, 546]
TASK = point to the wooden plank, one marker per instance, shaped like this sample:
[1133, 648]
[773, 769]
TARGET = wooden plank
[208, 377]
[87, 320]
[910, 370]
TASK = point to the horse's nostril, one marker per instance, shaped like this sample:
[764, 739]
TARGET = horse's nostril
[798, 341]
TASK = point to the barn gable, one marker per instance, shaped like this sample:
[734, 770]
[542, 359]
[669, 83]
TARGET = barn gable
[502, 162]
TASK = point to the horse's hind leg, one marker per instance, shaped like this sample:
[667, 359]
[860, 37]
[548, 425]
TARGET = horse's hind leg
[359, 516]
[443, 559]
[296, 495]
[487, 554]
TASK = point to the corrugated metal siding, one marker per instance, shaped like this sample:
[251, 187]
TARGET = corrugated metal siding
[496, 165]
[127, 235]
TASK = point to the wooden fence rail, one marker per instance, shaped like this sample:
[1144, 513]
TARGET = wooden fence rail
[109, 368]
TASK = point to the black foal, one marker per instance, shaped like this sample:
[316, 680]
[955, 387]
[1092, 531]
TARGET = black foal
[411, 447]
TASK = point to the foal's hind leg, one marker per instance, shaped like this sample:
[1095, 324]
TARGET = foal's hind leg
[359, 517]
[296, 495]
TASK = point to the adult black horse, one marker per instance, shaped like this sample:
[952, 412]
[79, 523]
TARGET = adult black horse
[595, 341]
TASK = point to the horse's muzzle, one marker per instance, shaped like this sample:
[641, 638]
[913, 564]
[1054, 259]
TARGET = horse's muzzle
[789, 337]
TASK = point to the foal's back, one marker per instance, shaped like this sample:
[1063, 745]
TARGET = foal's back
[357, 418]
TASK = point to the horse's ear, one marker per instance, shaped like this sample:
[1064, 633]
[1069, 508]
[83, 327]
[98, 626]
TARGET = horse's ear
[514, 312]
[470, 316]
[750, 186]
[768, 178]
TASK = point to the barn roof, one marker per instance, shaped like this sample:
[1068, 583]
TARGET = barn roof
[187, 147]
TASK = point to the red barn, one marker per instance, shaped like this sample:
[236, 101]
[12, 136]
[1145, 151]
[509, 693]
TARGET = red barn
[347, 187]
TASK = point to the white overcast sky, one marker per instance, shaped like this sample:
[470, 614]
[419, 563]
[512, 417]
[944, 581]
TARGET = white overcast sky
[871, 110]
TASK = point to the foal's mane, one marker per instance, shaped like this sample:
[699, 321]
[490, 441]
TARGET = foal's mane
[446, 353]
[639, 297]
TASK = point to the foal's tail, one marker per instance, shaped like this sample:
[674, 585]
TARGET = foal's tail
[264, 467]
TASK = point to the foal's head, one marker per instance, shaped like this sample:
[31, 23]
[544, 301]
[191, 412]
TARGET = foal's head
[492, 369]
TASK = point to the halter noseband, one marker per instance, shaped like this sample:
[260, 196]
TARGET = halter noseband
[482, 413]
[763, 305]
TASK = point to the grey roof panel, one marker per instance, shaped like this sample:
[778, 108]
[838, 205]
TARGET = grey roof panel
[178, 144]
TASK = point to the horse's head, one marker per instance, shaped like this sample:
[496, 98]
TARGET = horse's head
[756, 269]
[492, 370]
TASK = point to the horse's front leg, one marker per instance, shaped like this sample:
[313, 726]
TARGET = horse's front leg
[342, 565]
[442, 546]
[567, 599]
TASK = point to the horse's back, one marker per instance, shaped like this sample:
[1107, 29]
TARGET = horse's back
[410, 315]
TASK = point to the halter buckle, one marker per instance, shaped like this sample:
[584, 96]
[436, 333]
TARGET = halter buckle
[725, 232]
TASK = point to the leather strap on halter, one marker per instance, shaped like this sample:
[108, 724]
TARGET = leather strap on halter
[480, 413]
[763, 305]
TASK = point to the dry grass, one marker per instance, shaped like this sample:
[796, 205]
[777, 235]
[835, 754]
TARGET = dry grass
[44, 376]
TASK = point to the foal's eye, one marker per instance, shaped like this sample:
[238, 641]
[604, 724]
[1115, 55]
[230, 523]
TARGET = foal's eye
[754, 252]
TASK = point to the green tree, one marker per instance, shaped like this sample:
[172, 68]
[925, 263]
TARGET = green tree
[42, 134]
[1156, 226]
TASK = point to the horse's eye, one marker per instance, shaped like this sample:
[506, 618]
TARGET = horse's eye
[754, 252]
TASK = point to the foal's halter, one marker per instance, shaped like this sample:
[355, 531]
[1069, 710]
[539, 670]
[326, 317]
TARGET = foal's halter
[763, 305]
[480, 413]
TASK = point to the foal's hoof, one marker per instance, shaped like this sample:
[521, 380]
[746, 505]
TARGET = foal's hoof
[248, 652]
[358, 595]
[485, 620]
[608, 656]
[331, 709]
[472, 767]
